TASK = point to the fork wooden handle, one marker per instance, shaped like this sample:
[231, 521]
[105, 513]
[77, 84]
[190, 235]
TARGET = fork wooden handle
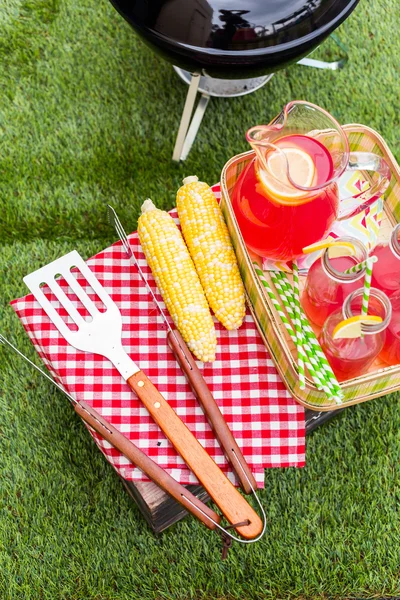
[231, 503]
[211, 410]
[147, 465]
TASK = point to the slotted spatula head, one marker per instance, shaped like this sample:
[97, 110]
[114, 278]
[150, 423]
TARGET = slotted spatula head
[99, 333]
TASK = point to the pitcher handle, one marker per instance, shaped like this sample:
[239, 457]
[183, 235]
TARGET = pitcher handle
[365, 161]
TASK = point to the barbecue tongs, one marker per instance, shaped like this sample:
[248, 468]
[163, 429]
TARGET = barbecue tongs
[100, 333]
[195, 378]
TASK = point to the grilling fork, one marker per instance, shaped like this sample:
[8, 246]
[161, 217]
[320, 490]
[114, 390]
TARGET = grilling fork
[195, 378]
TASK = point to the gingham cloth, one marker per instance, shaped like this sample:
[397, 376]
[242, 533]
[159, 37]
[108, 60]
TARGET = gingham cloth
[267, 424]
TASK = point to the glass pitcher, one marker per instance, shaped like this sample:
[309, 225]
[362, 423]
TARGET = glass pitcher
[287, 197]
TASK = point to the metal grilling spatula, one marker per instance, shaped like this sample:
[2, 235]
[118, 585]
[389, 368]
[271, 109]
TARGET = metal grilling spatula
[101, 334]
[132, 452]
[195, 378]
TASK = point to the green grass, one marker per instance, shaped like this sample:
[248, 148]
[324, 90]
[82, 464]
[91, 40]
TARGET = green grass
[88, 115]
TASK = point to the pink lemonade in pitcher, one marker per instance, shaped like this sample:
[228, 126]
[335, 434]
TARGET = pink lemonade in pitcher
[276, 219]
[288, 197]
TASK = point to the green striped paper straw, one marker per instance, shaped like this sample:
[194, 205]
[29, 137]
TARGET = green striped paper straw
[297, 323]
[299, 345]
[360, 266]
[323, 361]
[310, 334]
[315, 367]
[298, 311]
[287, 300]
[276, 303]
[286, 290]
[367, 287]
[292, 333]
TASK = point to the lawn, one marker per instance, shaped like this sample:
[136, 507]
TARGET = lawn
[88, 115]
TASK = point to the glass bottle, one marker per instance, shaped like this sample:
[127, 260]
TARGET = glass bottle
[386, 271]
[351, 357]
[327, 285]
[390, 353]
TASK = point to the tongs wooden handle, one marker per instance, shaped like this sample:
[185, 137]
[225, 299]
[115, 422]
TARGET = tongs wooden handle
[132, 453]
[212, 411]
[232, 504]
[147, 465]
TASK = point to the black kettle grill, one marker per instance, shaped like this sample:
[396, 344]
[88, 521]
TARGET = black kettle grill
[230, 39]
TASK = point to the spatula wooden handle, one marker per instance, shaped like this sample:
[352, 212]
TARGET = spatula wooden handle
[231, 503]
[211, 410]
[147, 465]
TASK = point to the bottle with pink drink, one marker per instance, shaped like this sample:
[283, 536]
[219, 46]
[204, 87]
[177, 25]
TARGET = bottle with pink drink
[328, 284]
[351, 354]
[386, 273]
[391, 349]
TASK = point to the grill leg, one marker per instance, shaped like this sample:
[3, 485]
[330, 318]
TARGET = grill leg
[186, 134]
[194, 125]
[322, 64]
[189, 126]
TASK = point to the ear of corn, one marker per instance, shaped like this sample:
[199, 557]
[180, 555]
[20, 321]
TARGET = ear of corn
[177, 280]
[210, 247]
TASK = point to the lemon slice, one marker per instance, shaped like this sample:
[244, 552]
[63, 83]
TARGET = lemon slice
[302, 172]
[336, 249]
[351, 328]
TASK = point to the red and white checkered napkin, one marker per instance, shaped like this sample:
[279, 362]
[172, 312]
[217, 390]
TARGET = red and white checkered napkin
[267, 424]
